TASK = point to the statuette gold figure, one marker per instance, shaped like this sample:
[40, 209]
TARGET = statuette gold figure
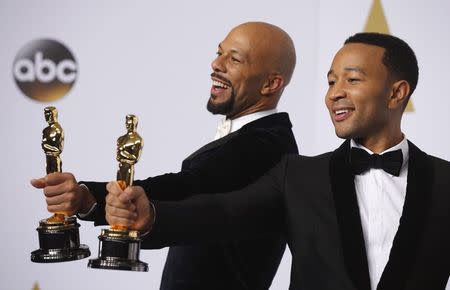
[119, 247]
[129, 148]
[52, 140]
[59, 238]
[53, 144]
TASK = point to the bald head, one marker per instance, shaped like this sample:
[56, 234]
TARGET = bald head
[271, 46]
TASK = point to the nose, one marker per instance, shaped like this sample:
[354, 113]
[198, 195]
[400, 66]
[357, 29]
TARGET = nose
[218, 64]
[336, 92]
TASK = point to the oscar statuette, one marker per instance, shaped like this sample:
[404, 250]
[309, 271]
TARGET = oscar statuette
[118, 246]
[59, 239]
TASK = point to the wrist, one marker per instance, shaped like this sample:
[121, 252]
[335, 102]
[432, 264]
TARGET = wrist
[87, 200]
[150, 221]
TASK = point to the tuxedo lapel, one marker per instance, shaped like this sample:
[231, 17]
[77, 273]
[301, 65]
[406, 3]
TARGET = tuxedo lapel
[409, 233]
[212, 145]
[275, 120]
[347, 210]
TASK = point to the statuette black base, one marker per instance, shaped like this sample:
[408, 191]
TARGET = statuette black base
[59, 242]
[119, 250]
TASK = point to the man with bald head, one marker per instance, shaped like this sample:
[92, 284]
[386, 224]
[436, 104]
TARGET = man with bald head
[254, 64]
[254, 57]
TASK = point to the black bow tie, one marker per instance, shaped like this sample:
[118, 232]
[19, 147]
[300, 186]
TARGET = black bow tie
[361, 160]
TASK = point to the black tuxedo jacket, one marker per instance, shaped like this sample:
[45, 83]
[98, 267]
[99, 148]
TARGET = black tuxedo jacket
[223, 165]
[312, 201]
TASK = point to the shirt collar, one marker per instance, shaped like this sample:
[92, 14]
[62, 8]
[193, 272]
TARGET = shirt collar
[227, 126]
[238, 123]
[403, 145]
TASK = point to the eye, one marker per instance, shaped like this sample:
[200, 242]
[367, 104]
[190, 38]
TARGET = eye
[218, 53]
[331, 83]
[235, 60]
[353, 80]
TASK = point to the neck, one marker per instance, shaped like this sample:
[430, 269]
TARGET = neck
[378, 145]
[381, 139]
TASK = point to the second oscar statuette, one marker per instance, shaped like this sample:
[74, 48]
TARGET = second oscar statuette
[118, 246]
[59, 238]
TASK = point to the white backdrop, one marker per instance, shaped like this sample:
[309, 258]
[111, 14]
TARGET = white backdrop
[153, 60]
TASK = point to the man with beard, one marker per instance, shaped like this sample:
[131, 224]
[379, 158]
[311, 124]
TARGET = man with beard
[254, 64]
[373, 214]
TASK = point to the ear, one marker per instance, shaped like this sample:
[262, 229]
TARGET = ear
[273, 84]
[400, 93]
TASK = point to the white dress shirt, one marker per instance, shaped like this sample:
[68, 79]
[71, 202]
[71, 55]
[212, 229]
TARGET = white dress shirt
[380, 199]
[227, 126]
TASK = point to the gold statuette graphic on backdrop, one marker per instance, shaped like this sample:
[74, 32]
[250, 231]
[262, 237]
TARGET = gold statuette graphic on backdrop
[119, 247]
[59, 239]
[377, 22]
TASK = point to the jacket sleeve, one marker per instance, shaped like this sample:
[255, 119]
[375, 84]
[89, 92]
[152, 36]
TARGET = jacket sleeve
[98, 189]
[254, 211]
[229, 167]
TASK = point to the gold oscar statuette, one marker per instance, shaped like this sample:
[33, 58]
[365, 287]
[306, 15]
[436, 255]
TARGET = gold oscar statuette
[59, 239]
[118, 246]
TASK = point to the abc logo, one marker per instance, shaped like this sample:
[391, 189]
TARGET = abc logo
[45, 70]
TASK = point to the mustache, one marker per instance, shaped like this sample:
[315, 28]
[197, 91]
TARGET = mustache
[224, 80]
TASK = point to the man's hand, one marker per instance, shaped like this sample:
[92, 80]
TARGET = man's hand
[63, 194]
[130, 207]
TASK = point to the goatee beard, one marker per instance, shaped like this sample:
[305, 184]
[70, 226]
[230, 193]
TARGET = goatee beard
[222, 108]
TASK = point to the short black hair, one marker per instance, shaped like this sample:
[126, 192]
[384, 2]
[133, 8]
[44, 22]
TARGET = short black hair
[398, 57]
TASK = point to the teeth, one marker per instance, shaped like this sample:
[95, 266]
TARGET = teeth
[341, 112]
[220, 84]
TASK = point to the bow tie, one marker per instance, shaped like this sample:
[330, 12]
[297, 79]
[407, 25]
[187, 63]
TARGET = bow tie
[361, 160]
[223, 129]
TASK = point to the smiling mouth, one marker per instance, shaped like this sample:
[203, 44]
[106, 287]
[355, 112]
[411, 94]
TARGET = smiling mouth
[340, 115]
[219, 84]
[340, 112]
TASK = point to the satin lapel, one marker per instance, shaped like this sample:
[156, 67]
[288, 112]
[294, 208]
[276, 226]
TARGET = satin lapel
[275, 120]
[347, 210]
[213, 144]
[409, 233]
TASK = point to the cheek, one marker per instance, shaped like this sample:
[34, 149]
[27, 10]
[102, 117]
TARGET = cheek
[370, 112]
[244, 85]
[236, 80]
[328, 101]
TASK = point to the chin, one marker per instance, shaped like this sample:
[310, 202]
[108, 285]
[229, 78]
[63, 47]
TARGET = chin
[222, 108]
[343, 134]
[217, 108]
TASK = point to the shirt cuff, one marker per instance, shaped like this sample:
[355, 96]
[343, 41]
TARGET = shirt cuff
[91, 210]
[143, 235]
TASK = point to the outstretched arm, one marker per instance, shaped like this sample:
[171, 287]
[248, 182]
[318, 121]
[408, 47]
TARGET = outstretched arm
[256, 210]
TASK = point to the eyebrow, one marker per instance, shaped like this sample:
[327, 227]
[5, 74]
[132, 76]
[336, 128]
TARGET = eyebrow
[355, 69]
[349, 69]
[232, 50]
